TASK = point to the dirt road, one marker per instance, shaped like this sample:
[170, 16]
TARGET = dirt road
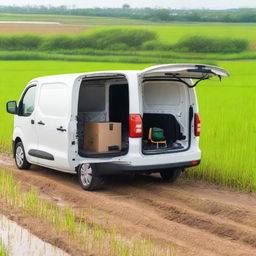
[37, 28]
[201, 219]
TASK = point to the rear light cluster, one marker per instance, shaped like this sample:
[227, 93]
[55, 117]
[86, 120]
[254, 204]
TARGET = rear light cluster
[136, 128]
[197, 125]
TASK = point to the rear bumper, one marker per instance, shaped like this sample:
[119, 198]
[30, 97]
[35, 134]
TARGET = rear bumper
[112, 168]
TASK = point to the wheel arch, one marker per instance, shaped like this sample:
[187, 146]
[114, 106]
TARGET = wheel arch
[15, 141]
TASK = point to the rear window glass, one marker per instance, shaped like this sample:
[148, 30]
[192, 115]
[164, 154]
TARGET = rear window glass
[53, 99]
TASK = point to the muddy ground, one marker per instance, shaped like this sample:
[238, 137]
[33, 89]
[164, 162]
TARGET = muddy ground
[200, 218]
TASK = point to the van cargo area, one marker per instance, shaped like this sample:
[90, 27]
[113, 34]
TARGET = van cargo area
[166, 108]
[101, 100]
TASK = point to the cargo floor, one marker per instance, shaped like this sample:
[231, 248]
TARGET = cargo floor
[92, 154]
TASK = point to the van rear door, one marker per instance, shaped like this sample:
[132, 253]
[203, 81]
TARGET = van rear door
[185, 71]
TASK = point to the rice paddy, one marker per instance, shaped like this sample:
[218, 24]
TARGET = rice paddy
[228, 138]
[227, 109]
[3, 251]
[64, 220]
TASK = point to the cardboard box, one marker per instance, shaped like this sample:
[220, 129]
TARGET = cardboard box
[102, 136]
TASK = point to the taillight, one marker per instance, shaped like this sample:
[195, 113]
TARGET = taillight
[197, 124]
[135, 126]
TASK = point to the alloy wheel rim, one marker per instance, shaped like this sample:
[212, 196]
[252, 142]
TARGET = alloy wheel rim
[19, 156]
[86, 174]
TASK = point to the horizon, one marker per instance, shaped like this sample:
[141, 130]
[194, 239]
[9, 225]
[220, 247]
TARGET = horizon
[131, 7]
[168, 4]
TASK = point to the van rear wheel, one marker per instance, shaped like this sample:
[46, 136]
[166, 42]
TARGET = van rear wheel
[89, 178]
[20, 157]
[170, 175]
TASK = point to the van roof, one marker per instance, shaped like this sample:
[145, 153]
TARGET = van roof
[197, 71]
[72, 77]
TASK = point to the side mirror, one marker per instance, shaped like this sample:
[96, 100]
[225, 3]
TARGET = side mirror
[11, 107]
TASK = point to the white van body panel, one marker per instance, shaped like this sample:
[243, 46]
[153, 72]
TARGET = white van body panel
[185, 70]
[53, 109]
[24, 129]
[56, 106]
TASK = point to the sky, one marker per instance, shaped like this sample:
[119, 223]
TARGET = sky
[174, 4]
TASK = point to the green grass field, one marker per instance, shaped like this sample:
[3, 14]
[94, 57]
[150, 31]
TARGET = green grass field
[90, 21]
[3, 251]
[173, 32]
[168, 32]
[227, 111]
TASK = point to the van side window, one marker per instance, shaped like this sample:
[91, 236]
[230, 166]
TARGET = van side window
[28, 102]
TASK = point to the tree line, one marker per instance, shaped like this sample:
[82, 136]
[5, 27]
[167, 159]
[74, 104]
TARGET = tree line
[164, 15]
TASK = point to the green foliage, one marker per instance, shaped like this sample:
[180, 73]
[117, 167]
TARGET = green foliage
[20, 42]
[118, 47]
[214, 45]
[58, 42]
[231, 15]
[160, 15]
[133, 38]
[156, 45]
[3, 251]
[152, 45]
[114, 39]
[228, 134]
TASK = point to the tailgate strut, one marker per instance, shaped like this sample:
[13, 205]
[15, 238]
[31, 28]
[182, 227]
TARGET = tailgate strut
[205, 77]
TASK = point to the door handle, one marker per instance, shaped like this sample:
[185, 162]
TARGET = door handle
[41, 123]
[61, 129]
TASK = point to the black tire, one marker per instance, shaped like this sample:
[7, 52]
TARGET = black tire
[20, 157]
[170, 175]
[89, 177]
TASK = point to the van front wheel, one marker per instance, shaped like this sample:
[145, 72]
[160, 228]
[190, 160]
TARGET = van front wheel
[88, 177]
[170, 175]
[20, 157]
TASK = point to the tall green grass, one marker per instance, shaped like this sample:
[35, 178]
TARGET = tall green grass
[90, 237]
[120, 40]
[212, 45]
[105, 39]
[228, 137]
[116, 57]
[3, 251]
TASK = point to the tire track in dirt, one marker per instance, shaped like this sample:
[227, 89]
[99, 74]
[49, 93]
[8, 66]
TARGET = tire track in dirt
[201, 219]
[227, 221]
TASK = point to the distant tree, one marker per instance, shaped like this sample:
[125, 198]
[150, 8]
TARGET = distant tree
[126, 6]
[161, 14]
[232, 15]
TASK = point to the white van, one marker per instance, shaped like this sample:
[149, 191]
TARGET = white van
[51, 113]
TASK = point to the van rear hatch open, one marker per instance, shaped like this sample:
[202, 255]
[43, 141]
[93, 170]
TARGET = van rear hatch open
[167, 106]
[189, 71]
